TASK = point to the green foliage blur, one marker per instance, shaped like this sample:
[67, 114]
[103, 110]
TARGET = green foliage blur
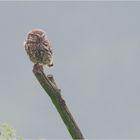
[7, 132]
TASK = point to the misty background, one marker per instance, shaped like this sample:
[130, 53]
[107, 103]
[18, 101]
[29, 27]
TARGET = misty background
[96, 65]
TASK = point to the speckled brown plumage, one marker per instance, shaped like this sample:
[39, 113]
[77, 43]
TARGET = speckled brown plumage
[39, 48]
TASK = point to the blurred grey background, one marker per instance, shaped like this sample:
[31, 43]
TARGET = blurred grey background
[97, 66]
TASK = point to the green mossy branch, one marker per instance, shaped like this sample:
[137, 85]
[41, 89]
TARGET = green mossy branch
[49, 85]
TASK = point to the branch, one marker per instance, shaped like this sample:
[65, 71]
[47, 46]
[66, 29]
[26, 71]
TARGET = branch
[49, 85]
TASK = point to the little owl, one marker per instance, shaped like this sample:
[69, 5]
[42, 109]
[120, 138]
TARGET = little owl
[39, 48]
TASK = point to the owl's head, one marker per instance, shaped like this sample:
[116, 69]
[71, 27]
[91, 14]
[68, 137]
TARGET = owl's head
[36, 36]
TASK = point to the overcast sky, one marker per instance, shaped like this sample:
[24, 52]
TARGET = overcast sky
[96, 65]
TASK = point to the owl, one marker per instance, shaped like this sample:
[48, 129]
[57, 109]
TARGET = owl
[39, 48]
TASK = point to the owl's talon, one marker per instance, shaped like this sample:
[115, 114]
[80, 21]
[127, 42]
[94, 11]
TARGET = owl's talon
[37, 67]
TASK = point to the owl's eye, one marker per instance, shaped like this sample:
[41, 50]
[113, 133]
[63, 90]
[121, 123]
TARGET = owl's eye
[29, 36]
[32, 37]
